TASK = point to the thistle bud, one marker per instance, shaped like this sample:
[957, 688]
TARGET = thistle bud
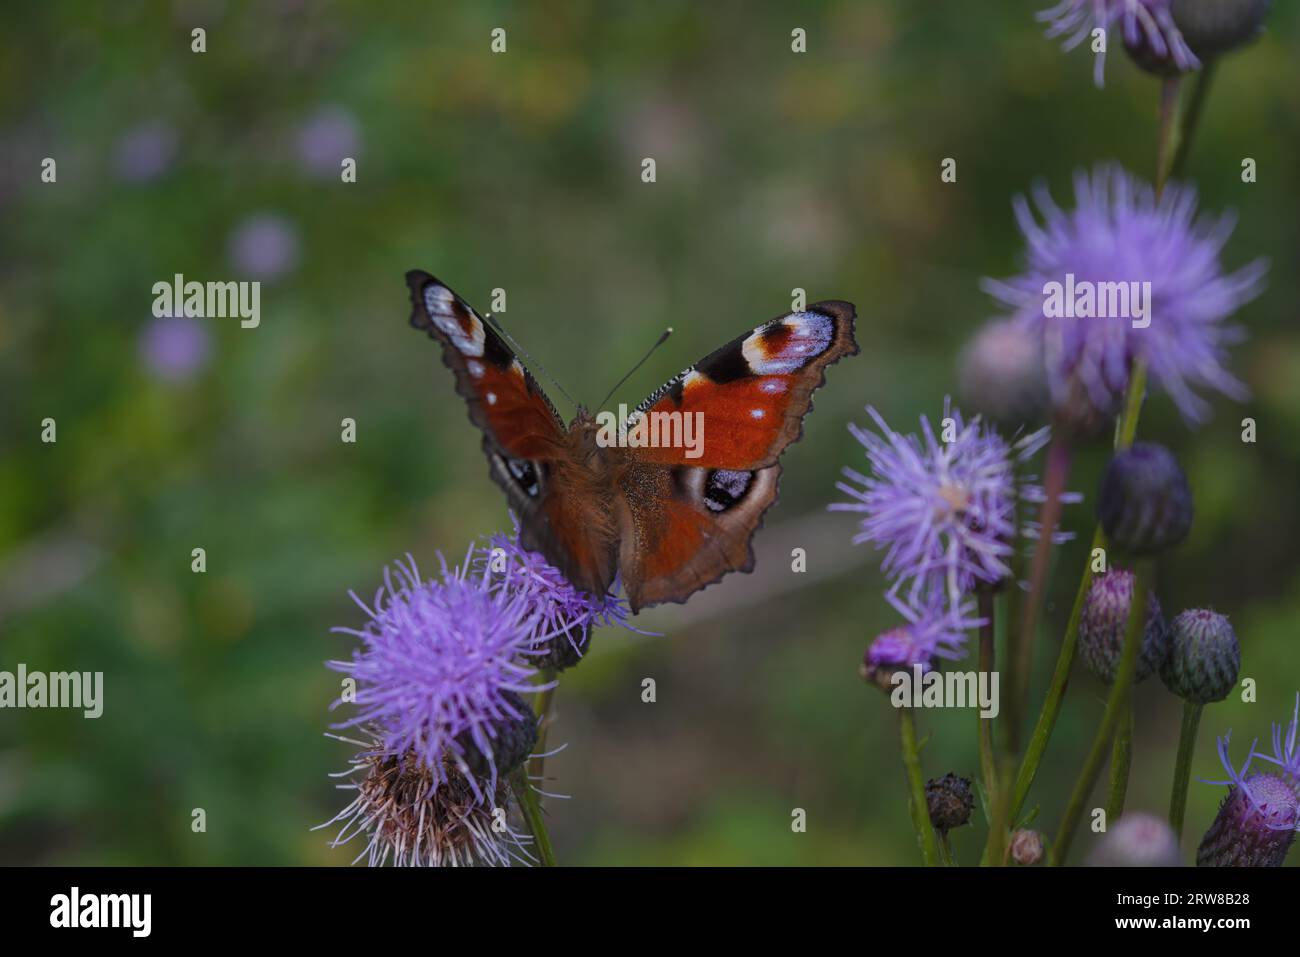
[1002, 373]
[1026, 847]
[1104, 621]
[949, 800]
[511, 741]
[1145, 505]
[1255, 826]
[1211, 27]
[1204, 657]
[1138, 840]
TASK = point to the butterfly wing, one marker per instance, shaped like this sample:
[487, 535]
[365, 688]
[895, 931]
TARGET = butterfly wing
[687, 515]
[561, 513]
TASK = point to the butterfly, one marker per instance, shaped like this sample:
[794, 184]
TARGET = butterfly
[665, 519]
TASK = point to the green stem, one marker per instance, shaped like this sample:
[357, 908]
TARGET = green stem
[916, 786]
[1121, 760]
[1057, 473]
[988, 765]
[1183, 768]
[1115, 704]
[1169, 131]
[1125, 432]
[530, 803]
[1192, 117]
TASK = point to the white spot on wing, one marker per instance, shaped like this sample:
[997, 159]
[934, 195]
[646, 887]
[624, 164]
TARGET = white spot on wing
[446, 315]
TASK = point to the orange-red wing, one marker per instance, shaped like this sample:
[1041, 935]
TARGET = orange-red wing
[682, 529]
[739, 407]
[504, 400]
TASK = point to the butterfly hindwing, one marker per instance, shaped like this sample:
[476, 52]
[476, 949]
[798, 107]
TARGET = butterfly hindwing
[687, 515]
[685, 528]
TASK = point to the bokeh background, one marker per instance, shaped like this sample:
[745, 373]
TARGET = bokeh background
[522, 171]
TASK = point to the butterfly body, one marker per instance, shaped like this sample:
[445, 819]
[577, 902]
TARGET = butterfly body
[666, 518]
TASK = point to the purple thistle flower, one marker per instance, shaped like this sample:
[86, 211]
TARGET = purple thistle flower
[175, 348]
[567, 614]
[944, 511]
[413, 820]
[443, 665]
[1250, 786]
[1120, 233]
[1146, 24]
[932, 631]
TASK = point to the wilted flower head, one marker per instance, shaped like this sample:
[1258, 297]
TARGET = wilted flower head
[442, 667]
[413, 817]
[949, 800]
[566, 613]
[1120, 234]
[943, 506]
[1146, 24]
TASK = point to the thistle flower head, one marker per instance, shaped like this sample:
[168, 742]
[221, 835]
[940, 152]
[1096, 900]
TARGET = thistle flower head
[1119, 233]
[1104, 620]
[1255, 826]
[411, 816]
[1138, 839]
[1258, 819]
[943, 507]
[1145, 503]
[1213, 27]
[567, 614]
[1204, 656]
[930, 632]
[1147, 24]
[442, 666]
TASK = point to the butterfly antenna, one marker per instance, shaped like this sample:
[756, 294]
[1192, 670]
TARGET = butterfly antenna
[531, 361]
[662, 339]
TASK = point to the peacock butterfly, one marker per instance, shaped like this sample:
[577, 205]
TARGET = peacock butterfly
[666, 519]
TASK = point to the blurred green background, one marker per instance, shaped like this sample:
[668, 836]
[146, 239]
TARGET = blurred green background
[522, 171]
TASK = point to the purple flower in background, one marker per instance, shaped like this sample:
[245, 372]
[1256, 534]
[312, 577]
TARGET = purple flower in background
[175, 348]
[943, 506]
[325, 138]
[1146, 24]
[1119, 234]
[264, 246]
[566, 614]
[442, 667]
[145, 152]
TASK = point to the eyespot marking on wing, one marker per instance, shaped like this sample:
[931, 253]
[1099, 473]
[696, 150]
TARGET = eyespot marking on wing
[787, 345]
[724, 489]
